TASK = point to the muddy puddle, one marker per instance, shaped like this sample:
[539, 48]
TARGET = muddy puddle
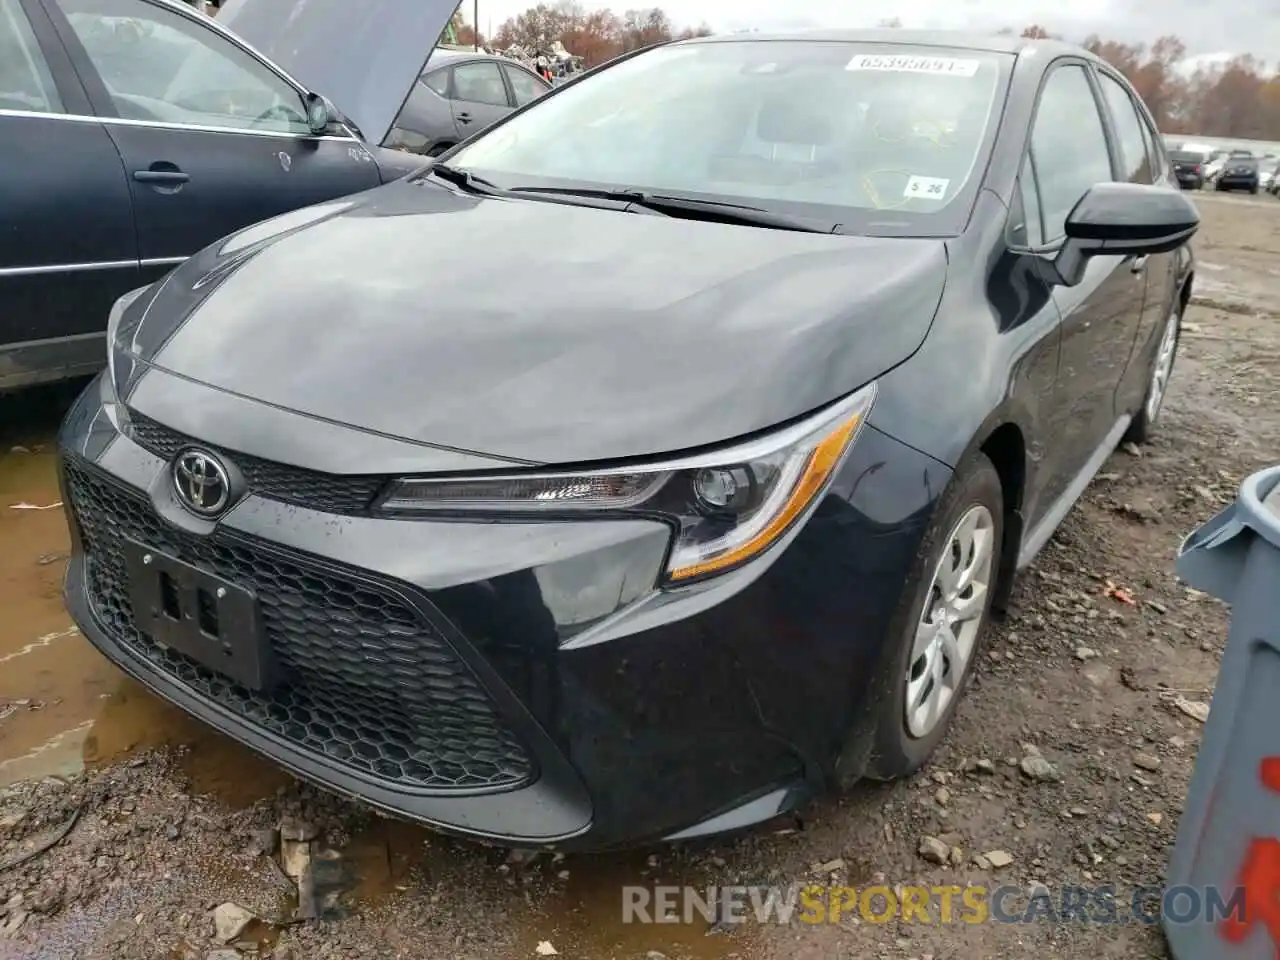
[64, 708]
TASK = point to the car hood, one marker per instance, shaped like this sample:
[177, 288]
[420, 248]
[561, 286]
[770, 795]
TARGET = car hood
[364, 56]
[536, 331]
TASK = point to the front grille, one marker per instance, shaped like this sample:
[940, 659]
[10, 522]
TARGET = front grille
[367, 683]
[326, 492]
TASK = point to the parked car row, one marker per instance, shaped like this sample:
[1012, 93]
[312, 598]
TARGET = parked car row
[1198, 166]
[575, 490]
[135, 132]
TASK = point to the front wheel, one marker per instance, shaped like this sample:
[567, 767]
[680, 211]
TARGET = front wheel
[1144, 423]
[941, 622]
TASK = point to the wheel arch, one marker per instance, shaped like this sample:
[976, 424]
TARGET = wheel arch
[1003, 439]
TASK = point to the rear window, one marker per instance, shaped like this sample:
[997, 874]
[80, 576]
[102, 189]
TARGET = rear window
[1186, 156]
[877, 138]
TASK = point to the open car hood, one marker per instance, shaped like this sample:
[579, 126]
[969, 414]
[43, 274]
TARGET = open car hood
[364, 56]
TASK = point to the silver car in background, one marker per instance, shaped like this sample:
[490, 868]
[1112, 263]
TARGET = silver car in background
[459, 94]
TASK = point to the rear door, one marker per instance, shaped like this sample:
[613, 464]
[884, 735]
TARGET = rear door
[67, 243]
[425, 122]
[1143, 161]
[1070, 152]
[213, 139]
[478, 96]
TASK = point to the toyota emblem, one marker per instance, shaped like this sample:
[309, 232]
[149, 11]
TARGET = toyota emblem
[201, 483]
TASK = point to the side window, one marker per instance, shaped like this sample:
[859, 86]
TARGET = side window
[438, 82]
[524, 85]
[162, 66]
[479, 82]
[1069, 144]
[1134, 152]
[25, 81]
[1161, 168]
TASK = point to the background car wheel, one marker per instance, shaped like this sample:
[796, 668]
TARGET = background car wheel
[1144, 421]
[942, 622]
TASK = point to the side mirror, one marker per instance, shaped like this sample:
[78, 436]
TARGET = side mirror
[320, 113]
[1123, 219]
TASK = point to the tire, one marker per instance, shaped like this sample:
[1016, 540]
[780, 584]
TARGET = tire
[1254, 191]
[1146, 419]
[896, 750]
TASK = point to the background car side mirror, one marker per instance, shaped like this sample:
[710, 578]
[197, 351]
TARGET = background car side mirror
[1123, 219]
[320, 113]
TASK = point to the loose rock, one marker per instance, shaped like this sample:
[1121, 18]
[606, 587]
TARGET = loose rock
[230, 920]
[1146, 761]
[1039, 769]
[934, 850]
[998, 858]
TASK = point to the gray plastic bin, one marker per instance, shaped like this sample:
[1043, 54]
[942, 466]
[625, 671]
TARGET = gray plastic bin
[1232, 814]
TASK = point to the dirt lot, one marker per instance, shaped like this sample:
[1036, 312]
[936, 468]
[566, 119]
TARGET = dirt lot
[168, 820]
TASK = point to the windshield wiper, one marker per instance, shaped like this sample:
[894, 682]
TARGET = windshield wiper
[692, 208]
[465, 179]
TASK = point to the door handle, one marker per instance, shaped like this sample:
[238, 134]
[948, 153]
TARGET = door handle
[464, 118]
[161, 176]
[1139, 264]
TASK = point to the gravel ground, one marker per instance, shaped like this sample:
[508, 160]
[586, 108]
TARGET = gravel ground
[1067, 765]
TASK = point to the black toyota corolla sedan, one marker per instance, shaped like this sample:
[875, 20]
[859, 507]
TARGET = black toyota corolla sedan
[654, 460]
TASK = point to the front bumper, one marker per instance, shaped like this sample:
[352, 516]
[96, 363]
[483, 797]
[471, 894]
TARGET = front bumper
[523, 683]
[1237, 181]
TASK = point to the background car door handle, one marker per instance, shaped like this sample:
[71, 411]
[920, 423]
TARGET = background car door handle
[1139, 264]
[464, 118]
[167, 177]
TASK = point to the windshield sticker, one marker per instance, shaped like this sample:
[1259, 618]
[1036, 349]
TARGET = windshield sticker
[944, 66]
[926, 188]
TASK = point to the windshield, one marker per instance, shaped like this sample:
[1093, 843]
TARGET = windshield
[878, 138]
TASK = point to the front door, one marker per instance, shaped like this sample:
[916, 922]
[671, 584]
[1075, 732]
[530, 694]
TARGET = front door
[67, 243]
[479, 96]
[212, 138]
[1069, 154]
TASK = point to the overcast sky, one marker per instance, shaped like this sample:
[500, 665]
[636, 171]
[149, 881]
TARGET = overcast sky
[1253, 28]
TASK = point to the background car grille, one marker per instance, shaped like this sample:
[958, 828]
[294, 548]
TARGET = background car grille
[368, 683]
[326, 492]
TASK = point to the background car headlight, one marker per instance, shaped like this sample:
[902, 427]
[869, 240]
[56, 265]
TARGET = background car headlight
[727, 506]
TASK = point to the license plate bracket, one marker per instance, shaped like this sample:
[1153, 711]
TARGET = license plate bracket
[211, 620]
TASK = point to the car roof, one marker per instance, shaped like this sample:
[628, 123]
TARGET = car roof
[449, 54]
[955, 39]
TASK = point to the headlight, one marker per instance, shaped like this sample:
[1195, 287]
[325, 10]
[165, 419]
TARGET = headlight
[113, 330]
[726, 506]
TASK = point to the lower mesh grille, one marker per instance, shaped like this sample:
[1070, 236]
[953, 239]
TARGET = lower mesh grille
[368, 683]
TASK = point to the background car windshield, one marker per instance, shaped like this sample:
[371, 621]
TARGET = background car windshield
[838, 130]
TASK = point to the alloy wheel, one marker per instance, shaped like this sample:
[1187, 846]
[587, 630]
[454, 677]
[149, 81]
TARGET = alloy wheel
[1163, 368]
[951, 620]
